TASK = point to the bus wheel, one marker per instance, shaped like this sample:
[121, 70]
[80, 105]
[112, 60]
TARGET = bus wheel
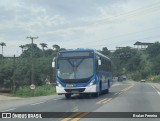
[96, 94]
[106, 91]
[68, 96]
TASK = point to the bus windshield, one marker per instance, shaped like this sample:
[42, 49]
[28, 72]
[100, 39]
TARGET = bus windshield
[70, 68]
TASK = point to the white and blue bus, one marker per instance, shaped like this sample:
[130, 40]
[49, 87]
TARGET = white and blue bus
[82, 71]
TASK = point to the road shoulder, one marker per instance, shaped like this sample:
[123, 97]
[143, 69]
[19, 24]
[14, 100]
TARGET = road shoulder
[7, 102]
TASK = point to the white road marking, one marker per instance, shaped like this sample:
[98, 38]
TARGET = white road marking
[37, 103]
[57, 99]
[156, 89]
[44, 101]
[75, 109]
[9, 110]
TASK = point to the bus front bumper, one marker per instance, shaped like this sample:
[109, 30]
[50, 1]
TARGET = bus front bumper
[76, 90]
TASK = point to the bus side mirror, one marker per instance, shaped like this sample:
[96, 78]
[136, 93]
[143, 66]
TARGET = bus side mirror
[99, 62]
[53, 62]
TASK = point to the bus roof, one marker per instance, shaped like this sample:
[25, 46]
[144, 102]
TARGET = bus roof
[83, 50]
[76, 50]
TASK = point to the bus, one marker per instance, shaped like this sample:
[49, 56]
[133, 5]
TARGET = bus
[82, 71]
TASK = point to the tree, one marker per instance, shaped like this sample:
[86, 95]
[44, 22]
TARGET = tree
[6, 72]
[156, 65]
[37, 51]
[43, 45]
[49, 53]
[0, 56]
[126, 58]
[105, 51]
[62, 49]
[2, 44]
[22, 46]
[133, 64]
[57, 47]
[154, 50]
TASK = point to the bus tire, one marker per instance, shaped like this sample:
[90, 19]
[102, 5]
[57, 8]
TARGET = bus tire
[68, 96]
[106, 91]
[96, 94]
[100, 87]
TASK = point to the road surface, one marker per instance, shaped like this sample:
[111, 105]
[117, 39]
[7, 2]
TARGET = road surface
[126, 96]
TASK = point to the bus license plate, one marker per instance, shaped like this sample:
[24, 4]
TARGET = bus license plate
[75, 91]
[69, 85]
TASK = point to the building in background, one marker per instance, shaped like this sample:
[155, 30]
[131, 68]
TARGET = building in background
[141, 45]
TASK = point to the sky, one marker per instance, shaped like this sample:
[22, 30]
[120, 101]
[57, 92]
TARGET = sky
[78, 23]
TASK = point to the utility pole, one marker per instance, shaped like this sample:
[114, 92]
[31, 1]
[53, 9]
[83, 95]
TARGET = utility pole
[2, 53]
[14, 66]
[32, 74]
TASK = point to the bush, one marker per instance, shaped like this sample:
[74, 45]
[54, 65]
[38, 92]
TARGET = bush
[154, 78]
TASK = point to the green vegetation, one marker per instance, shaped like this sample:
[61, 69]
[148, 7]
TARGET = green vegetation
[155, 78]
[138, 64]
[44, 90]
[15, 73]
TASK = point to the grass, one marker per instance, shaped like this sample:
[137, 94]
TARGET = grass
[39, 91]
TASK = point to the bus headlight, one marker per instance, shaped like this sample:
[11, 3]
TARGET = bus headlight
[58, 84]
[92, 82]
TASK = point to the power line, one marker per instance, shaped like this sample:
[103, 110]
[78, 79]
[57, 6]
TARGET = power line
[112, 43]
[141, 11]
[153, 28]
[151, 37]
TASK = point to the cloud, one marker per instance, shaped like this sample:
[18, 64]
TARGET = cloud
[74, 24]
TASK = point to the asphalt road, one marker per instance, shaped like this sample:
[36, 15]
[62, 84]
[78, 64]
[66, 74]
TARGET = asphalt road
[124, 96]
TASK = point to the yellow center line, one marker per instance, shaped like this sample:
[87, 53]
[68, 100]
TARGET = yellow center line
[107, 100]
[71, 116]
[102, 100]
[124, 90]
[120, 93]
[116, 93]
[127, 88]
[82, 115]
